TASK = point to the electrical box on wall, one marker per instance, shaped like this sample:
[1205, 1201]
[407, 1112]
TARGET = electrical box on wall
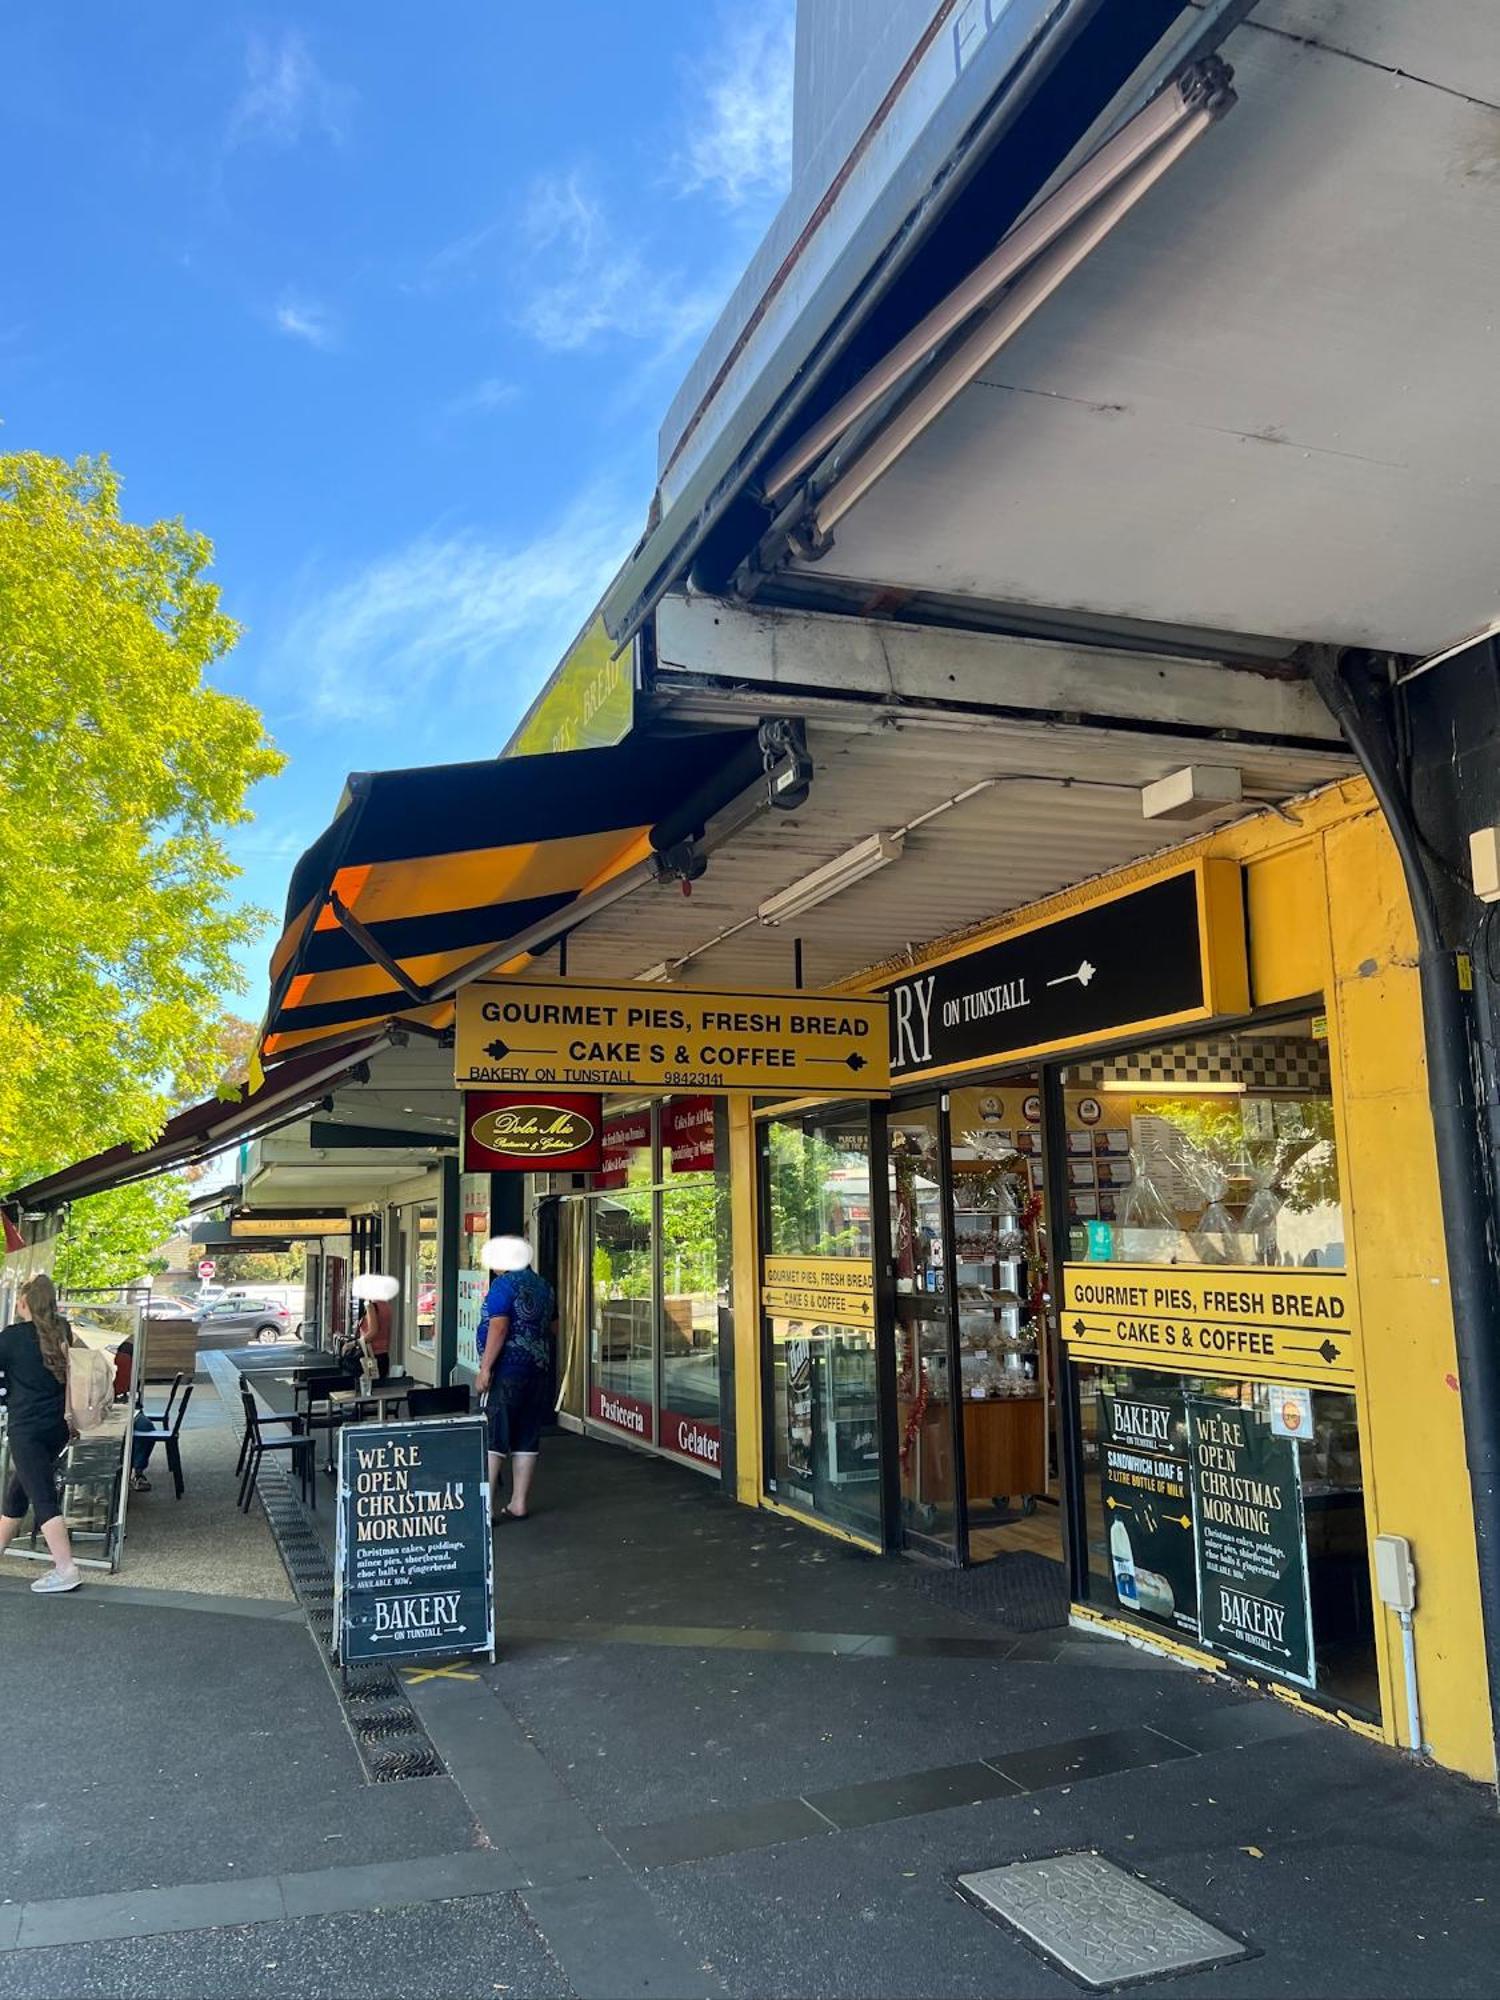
[1484, 863]
[1395, 1573]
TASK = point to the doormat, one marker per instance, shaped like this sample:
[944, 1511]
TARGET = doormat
[1023, 1592]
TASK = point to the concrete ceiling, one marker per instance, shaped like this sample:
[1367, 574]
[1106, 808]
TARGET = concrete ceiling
[1265, 405]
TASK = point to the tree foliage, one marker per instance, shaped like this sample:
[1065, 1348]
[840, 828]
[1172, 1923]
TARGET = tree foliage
[120, 769]
[116, 1237]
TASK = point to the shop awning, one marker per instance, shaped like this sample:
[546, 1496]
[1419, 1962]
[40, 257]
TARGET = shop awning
[429, 878]
[207, 1128]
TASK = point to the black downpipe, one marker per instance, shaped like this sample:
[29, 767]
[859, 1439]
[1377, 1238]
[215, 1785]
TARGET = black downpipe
[1464, 1180]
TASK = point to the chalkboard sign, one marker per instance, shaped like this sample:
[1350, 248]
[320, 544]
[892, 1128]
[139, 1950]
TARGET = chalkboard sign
[1252, 1553]
[414, 1577]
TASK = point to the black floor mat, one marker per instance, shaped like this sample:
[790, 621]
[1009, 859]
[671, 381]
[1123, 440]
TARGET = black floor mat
[1023, 1592]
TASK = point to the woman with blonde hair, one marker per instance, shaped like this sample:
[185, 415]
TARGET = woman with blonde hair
[34, 1363]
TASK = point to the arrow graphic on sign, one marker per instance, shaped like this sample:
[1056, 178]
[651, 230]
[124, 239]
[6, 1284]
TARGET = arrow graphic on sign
[497, 1051]
[856, 1062]
[1329, 1351]
[1083, 975]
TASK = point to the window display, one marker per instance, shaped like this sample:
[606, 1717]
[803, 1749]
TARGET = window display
[1232, 1512]
[1218, 1150]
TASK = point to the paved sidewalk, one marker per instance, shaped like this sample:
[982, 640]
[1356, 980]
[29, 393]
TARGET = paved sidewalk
[717, 1756]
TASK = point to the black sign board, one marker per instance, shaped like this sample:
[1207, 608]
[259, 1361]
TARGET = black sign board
[414, 1575]
[1252, 1547]
[1143, 1475]
[1137, 960]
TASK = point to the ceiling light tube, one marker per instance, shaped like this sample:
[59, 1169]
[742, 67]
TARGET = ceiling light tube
[1007, 260]
[861, 860]
[1025, 298]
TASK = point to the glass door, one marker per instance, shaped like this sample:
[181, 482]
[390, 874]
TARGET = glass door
[622, 1345]
[929, 1445]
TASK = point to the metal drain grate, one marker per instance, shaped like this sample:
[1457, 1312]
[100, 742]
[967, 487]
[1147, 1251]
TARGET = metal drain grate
[391, 1742]
[1098, 1922]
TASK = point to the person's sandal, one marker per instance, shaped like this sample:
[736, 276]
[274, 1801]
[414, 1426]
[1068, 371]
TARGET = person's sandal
[139, 1483]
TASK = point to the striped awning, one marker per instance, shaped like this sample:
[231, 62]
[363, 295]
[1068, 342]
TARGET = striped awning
[424, 873]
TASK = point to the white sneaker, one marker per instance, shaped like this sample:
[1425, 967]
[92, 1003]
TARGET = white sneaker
[54, 1581]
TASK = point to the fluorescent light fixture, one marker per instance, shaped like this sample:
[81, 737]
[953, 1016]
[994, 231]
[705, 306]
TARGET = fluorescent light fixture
[1156, 1087]
[834, 877]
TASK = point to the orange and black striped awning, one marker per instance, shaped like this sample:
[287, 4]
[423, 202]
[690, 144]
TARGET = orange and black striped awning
[422, 872]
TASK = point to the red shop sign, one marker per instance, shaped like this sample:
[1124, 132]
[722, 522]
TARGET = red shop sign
[528, 1131]
[693, 1438]
[627, 1133]
[687, 1132]
[625, 1413]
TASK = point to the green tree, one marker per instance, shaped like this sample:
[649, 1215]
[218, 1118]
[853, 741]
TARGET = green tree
[120, 769]
[116, 1237]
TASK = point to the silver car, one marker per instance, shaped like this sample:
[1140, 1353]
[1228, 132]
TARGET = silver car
[245, 1319]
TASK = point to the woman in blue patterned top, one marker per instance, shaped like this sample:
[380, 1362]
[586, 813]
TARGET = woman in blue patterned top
[516, 1368]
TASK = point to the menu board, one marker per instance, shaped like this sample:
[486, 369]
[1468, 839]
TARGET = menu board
[414, 1571]
[1144, 1480]
[1252, 1550]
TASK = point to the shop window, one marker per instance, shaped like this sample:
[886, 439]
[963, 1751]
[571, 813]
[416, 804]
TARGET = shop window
[1231, 1514]
[692, 1223]
[818, 1184]
[1216, 1150]
[624, 1313]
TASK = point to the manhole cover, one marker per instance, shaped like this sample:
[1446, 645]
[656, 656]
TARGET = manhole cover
[1097, 1921]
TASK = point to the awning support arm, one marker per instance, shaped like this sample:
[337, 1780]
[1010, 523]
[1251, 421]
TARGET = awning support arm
[374, 950]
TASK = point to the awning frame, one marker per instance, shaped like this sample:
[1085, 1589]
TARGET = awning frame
[686, 842]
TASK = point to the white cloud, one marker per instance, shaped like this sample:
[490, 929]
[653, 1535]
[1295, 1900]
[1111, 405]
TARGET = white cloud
[303, 319]
[587, 278]
[286, 97]
[456, 622]
[739, 143]
[493, 393]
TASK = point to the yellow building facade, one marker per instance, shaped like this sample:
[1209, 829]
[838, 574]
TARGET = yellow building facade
[1327, 934]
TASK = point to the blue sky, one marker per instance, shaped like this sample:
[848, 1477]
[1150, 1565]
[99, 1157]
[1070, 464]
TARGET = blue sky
[388, 301]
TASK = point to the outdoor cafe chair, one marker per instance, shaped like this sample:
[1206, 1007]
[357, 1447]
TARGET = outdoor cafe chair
[451, 1402]
[166, 1431]
[325, 1399]
[257, 1443]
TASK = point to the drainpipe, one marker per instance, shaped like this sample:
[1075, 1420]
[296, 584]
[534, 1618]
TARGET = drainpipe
[1346, 684]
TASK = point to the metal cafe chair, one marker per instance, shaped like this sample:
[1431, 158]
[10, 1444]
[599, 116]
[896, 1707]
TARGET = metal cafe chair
[325, 1399]
[450, 1402]
[166, 1431]
[257, 1443]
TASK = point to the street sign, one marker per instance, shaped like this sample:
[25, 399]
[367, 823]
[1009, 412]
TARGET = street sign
[522, 1031]
[206, 1268]
[414, 1568]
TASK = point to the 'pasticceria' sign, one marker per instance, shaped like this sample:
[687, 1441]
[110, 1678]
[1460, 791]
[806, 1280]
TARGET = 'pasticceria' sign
[1276, 1325]
[839, 1289]
[524, 1032]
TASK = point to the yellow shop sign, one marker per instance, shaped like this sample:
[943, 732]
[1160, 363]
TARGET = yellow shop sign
[840, 1289]
[1283, 1325]
[527, 1032]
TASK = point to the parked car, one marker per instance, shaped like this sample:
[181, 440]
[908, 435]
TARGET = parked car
[252, 1319]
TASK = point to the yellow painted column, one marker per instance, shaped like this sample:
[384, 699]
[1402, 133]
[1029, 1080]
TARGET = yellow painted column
[1416, 1480]
[744, 1226]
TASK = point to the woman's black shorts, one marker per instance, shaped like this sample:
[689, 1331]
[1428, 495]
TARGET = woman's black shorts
[518, 1407]
[33, 1476]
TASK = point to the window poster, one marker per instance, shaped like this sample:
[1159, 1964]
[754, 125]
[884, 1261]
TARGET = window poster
[1252, 1549]
[1144, 1478]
